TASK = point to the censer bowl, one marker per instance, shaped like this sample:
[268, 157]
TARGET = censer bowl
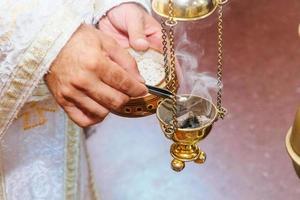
[186, 10]
[185, 148]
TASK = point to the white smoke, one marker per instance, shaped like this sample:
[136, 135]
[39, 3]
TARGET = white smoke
[194, 81]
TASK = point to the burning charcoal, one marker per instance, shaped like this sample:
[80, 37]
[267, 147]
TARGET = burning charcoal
[190, 120]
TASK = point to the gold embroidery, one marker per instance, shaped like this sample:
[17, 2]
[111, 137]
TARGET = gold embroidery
[92, 184]
[2, 181]
[73, 136]
[34, 64]
[34, 114]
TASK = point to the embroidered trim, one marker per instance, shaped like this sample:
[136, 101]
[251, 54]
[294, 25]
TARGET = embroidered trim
[91, 176]
[34, 113]
[35, 63]
[40, 93]
[2, 179]
[72, 149]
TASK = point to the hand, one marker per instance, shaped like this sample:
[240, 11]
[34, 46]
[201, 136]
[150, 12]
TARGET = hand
[132, 26]
[87, 79]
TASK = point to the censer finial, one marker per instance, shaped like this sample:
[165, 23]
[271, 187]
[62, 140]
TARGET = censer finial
[186, 10]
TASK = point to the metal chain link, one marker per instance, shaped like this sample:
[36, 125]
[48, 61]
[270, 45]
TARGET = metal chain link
[170, 67]
[165, 52]
[222, 111]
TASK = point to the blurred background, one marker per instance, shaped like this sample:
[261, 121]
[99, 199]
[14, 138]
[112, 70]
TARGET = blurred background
[247, 158]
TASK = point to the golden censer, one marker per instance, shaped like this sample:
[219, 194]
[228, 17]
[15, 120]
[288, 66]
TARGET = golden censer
[185, 119]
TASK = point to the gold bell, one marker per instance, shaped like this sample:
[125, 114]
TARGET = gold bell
[187, 10]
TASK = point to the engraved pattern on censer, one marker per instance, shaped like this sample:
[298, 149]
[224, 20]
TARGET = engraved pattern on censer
[151, 67]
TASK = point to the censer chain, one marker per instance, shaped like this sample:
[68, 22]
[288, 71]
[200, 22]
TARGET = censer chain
[222, 111]
[170, 67]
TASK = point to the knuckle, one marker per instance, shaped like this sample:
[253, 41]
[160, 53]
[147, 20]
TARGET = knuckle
[67, 92]
[126, 85]
[131, 63]
[117, 77]
[80, 81]
[117, 103]
[110, 42]
[84, 124]
[111, 45]
[103, 115]
[92, 64]
[125, 99]
[61, 101]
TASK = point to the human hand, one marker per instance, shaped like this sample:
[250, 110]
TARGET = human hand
[87, 79]
[132, 26]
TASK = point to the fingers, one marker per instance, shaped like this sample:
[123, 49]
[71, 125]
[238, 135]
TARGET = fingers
[136, 31]
[153, 33]
[88, 106]
[120, 56]
[103, 94]
[79, 117]
[121, 80]
[156, 42]
[105, 25]
[125, 60]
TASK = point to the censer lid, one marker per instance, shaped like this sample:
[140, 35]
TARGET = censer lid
[186, 10]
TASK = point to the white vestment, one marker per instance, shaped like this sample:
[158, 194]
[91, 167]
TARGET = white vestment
[42, 153]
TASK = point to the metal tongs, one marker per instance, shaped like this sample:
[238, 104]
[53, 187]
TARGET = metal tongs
[164, 93]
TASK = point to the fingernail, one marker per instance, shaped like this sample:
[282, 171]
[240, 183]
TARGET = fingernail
[141, 42]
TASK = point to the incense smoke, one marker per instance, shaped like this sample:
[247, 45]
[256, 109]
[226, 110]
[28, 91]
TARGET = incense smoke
[194, 82]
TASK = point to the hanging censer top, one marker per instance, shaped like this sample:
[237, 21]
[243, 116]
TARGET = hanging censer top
[187, 119]
[186, 10]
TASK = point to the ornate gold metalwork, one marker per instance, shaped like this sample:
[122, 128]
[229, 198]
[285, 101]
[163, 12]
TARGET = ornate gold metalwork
[171, 127]
[185, 147]
[147, 105]
[222, 110]
[34, 113]
[143, 106]
[188, 9]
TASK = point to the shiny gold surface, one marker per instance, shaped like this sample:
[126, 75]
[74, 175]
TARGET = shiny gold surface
[147, 105]
[186, 10]
[293, 143]
[295, 137]
[143, 106]
[185, 149]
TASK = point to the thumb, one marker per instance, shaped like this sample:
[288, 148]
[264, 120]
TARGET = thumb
[136, 33]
